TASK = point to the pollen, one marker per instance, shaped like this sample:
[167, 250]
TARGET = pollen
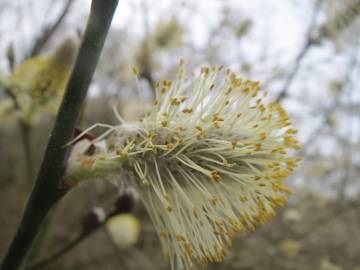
[263, 135]
[135, 71]
[187, 110]
[215, 176]
[164, 123]
[175, 101]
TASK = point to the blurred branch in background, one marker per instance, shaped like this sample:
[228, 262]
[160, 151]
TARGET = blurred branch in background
[47, 190]
[25, 129]
[145, 56]
[341, 26]
[49, 30]
[353, 62]
[91, 223]
[301, 237]
[69, 246]
[303, 52]
[344, 181]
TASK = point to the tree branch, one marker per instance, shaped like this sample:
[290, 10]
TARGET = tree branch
[25, 129]
[68, 247]
[303, 52]
[47, 189]
[353, 62]
[49, 31]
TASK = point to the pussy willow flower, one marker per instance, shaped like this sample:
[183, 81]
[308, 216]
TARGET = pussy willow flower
[208, 161]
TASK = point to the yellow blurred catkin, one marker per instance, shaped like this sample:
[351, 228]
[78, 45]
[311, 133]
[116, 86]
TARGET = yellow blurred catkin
[168, 34]
[38, 83]
[290, 248]
[124, 230]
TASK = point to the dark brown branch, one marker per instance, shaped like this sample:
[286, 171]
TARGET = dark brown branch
[303, 52]
[47, 189]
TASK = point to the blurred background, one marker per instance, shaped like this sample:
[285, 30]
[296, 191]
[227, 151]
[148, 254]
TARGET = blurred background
[304, 52]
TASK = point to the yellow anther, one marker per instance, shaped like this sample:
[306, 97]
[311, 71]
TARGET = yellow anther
[258, 147]
[170, 146]
[135, 71]
[233, 144]
[215, 176]
[195, 213]
[164, 123]
[163, 234]
[205, 70]
[187, 110]
[216, 124]
[180, 238]
[175, 101]
[263, 135]
[228, 164]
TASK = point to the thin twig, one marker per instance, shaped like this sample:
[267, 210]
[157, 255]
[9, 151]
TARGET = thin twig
[146, 57]
[123, 204]
[25, 131]
[303, 52]
[353, 61]
[49, 31]
[61, 252]
[47, 189]
[69, 246]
